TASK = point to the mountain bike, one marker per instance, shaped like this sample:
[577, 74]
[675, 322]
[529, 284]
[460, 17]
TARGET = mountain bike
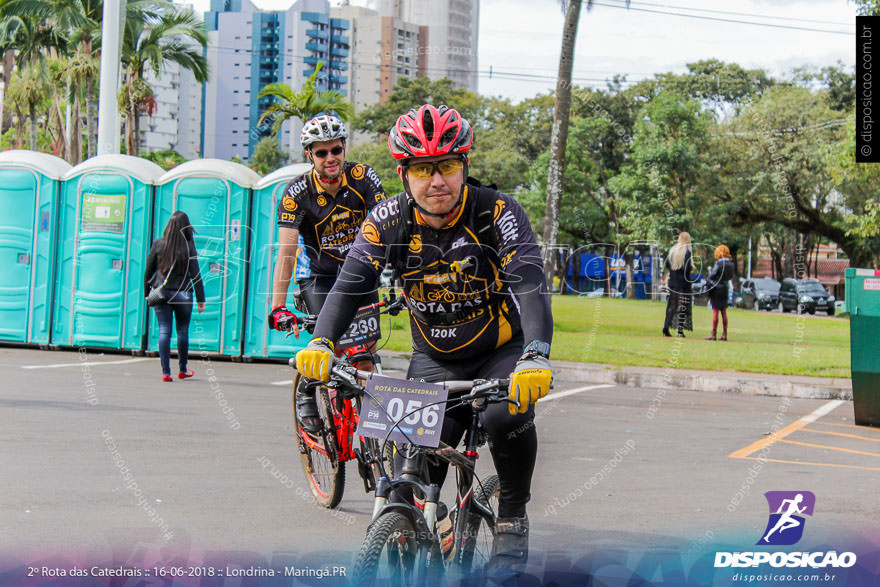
[324, 453]
[403, 544]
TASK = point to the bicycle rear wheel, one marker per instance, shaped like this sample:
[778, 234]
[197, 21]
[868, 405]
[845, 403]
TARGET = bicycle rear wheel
[319, 452]
[393, 553]
[477, 536]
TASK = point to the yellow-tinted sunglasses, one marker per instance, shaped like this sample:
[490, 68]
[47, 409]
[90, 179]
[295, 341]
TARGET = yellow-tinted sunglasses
[446, 167]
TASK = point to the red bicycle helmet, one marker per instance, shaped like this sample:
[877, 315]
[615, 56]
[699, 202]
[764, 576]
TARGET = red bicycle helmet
[430, 131]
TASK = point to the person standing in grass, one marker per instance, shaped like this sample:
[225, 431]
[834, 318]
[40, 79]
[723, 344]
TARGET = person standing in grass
[719, 294]
[679, 267]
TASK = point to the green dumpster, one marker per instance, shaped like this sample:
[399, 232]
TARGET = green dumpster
[863, 303]
[103, 241]
[260, 340]
[28, 210]
[216, 195]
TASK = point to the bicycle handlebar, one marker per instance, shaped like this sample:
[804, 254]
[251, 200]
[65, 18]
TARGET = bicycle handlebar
[391, 305]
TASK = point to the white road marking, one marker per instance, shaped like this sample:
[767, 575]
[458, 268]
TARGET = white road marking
[563, 394]
[285, 382]
[87, 363]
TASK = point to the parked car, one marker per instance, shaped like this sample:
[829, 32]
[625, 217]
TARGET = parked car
[760, 294]
[805, 295]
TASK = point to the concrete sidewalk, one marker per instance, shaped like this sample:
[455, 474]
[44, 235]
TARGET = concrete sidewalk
[693, 380]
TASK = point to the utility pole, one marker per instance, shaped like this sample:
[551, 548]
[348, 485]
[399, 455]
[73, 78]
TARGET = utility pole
[111, 50]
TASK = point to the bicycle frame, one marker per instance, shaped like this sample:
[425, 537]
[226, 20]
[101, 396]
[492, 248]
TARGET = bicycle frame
[344, 412]
[410, 478]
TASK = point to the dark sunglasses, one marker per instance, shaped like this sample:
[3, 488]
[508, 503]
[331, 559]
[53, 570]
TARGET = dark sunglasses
[321, 153]
[446, 168]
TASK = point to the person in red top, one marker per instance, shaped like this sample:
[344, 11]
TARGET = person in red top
[475, 312]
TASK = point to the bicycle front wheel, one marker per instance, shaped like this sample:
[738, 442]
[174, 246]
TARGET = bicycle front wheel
[478, 535]
[393, 553]
[319, 451]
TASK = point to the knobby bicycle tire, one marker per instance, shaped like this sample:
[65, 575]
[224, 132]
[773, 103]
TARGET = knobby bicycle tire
[477, 536]
[324, 471]
[394, 553]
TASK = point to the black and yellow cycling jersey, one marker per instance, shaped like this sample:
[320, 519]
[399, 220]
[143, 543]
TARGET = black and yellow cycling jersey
[328, 224]
[459, 293]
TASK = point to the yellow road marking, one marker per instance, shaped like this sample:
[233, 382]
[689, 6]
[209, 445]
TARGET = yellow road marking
[811, 445]
[841, 434]
[793, 427]
[866, 428]
[814, 464]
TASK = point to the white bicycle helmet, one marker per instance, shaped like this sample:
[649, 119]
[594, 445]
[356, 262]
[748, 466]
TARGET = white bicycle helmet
[324, 127]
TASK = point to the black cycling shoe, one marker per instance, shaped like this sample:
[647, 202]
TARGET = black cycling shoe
[307, 411]
[510, 549]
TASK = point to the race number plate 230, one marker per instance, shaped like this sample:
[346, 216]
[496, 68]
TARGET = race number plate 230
[363, 329]
[406, 403]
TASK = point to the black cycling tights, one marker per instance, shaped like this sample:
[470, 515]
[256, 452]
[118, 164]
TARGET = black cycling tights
[513, 441]
[314, 292]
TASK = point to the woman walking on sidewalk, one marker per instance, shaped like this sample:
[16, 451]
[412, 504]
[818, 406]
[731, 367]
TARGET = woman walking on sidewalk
[679, 265]
[719, 294]
[173, 260]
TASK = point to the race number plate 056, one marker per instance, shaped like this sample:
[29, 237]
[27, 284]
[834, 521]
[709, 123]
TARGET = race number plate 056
[407, 404]
[363, 329]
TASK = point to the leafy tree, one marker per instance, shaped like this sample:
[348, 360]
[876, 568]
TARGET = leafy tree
[376, 155]
[165, 159]
[412, 93]
[302, 105]
[658, 187]
[268, 156]
[152, 43]
[789, 138]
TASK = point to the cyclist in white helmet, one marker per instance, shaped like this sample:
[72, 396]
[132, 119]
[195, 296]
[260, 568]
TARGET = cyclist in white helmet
[326, 206]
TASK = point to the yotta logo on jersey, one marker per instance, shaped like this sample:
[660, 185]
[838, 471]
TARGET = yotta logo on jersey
[787, 511]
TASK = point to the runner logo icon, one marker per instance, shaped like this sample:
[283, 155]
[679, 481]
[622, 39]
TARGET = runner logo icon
[787, 509]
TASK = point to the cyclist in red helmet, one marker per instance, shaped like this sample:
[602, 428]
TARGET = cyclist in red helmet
[472, 274]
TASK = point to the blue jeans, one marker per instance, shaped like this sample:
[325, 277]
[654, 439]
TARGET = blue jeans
[179, 306]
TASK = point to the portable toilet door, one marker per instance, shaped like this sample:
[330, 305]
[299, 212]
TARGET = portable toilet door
[260, 340]
[103, 242]
[28, 207]
[215, 194]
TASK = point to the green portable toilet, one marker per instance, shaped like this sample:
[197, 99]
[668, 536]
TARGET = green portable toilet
[216, 195]
[103, 241]
[260, 340]
[863, 303]
[28, 210]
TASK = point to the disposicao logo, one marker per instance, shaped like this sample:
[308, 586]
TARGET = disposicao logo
[785, 527]
[786, 524]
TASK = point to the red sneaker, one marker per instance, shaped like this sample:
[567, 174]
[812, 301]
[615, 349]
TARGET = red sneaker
[167, 378]
[186, 375]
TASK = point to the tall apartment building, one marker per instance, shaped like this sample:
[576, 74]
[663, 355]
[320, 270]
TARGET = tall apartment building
[249, 49]
[176, 122]
[383, 49]
[449, 32]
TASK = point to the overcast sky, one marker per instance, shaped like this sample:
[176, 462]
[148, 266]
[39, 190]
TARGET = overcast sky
[520, 39]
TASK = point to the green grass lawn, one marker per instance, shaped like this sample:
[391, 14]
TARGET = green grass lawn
[627, 332]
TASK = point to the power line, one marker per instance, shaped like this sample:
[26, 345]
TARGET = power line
[730, 20]
[751, 14]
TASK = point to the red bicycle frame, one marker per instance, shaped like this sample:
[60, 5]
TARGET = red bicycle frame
[345, 420]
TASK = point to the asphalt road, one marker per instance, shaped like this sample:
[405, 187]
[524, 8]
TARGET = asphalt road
[100, 460]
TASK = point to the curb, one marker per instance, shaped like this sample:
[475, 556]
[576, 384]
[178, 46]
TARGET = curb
[709, 381]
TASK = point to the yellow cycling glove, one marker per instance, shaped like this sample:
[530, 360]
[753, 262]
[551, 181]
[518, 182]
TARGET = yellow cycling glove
[315, 360]
[529, 382]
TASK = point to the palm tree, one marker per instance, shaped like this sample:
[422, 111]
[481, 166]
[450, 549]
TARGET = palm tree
[26, 89]
[30, 38]
[152, 43]
[559, 134]
[305, 104]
